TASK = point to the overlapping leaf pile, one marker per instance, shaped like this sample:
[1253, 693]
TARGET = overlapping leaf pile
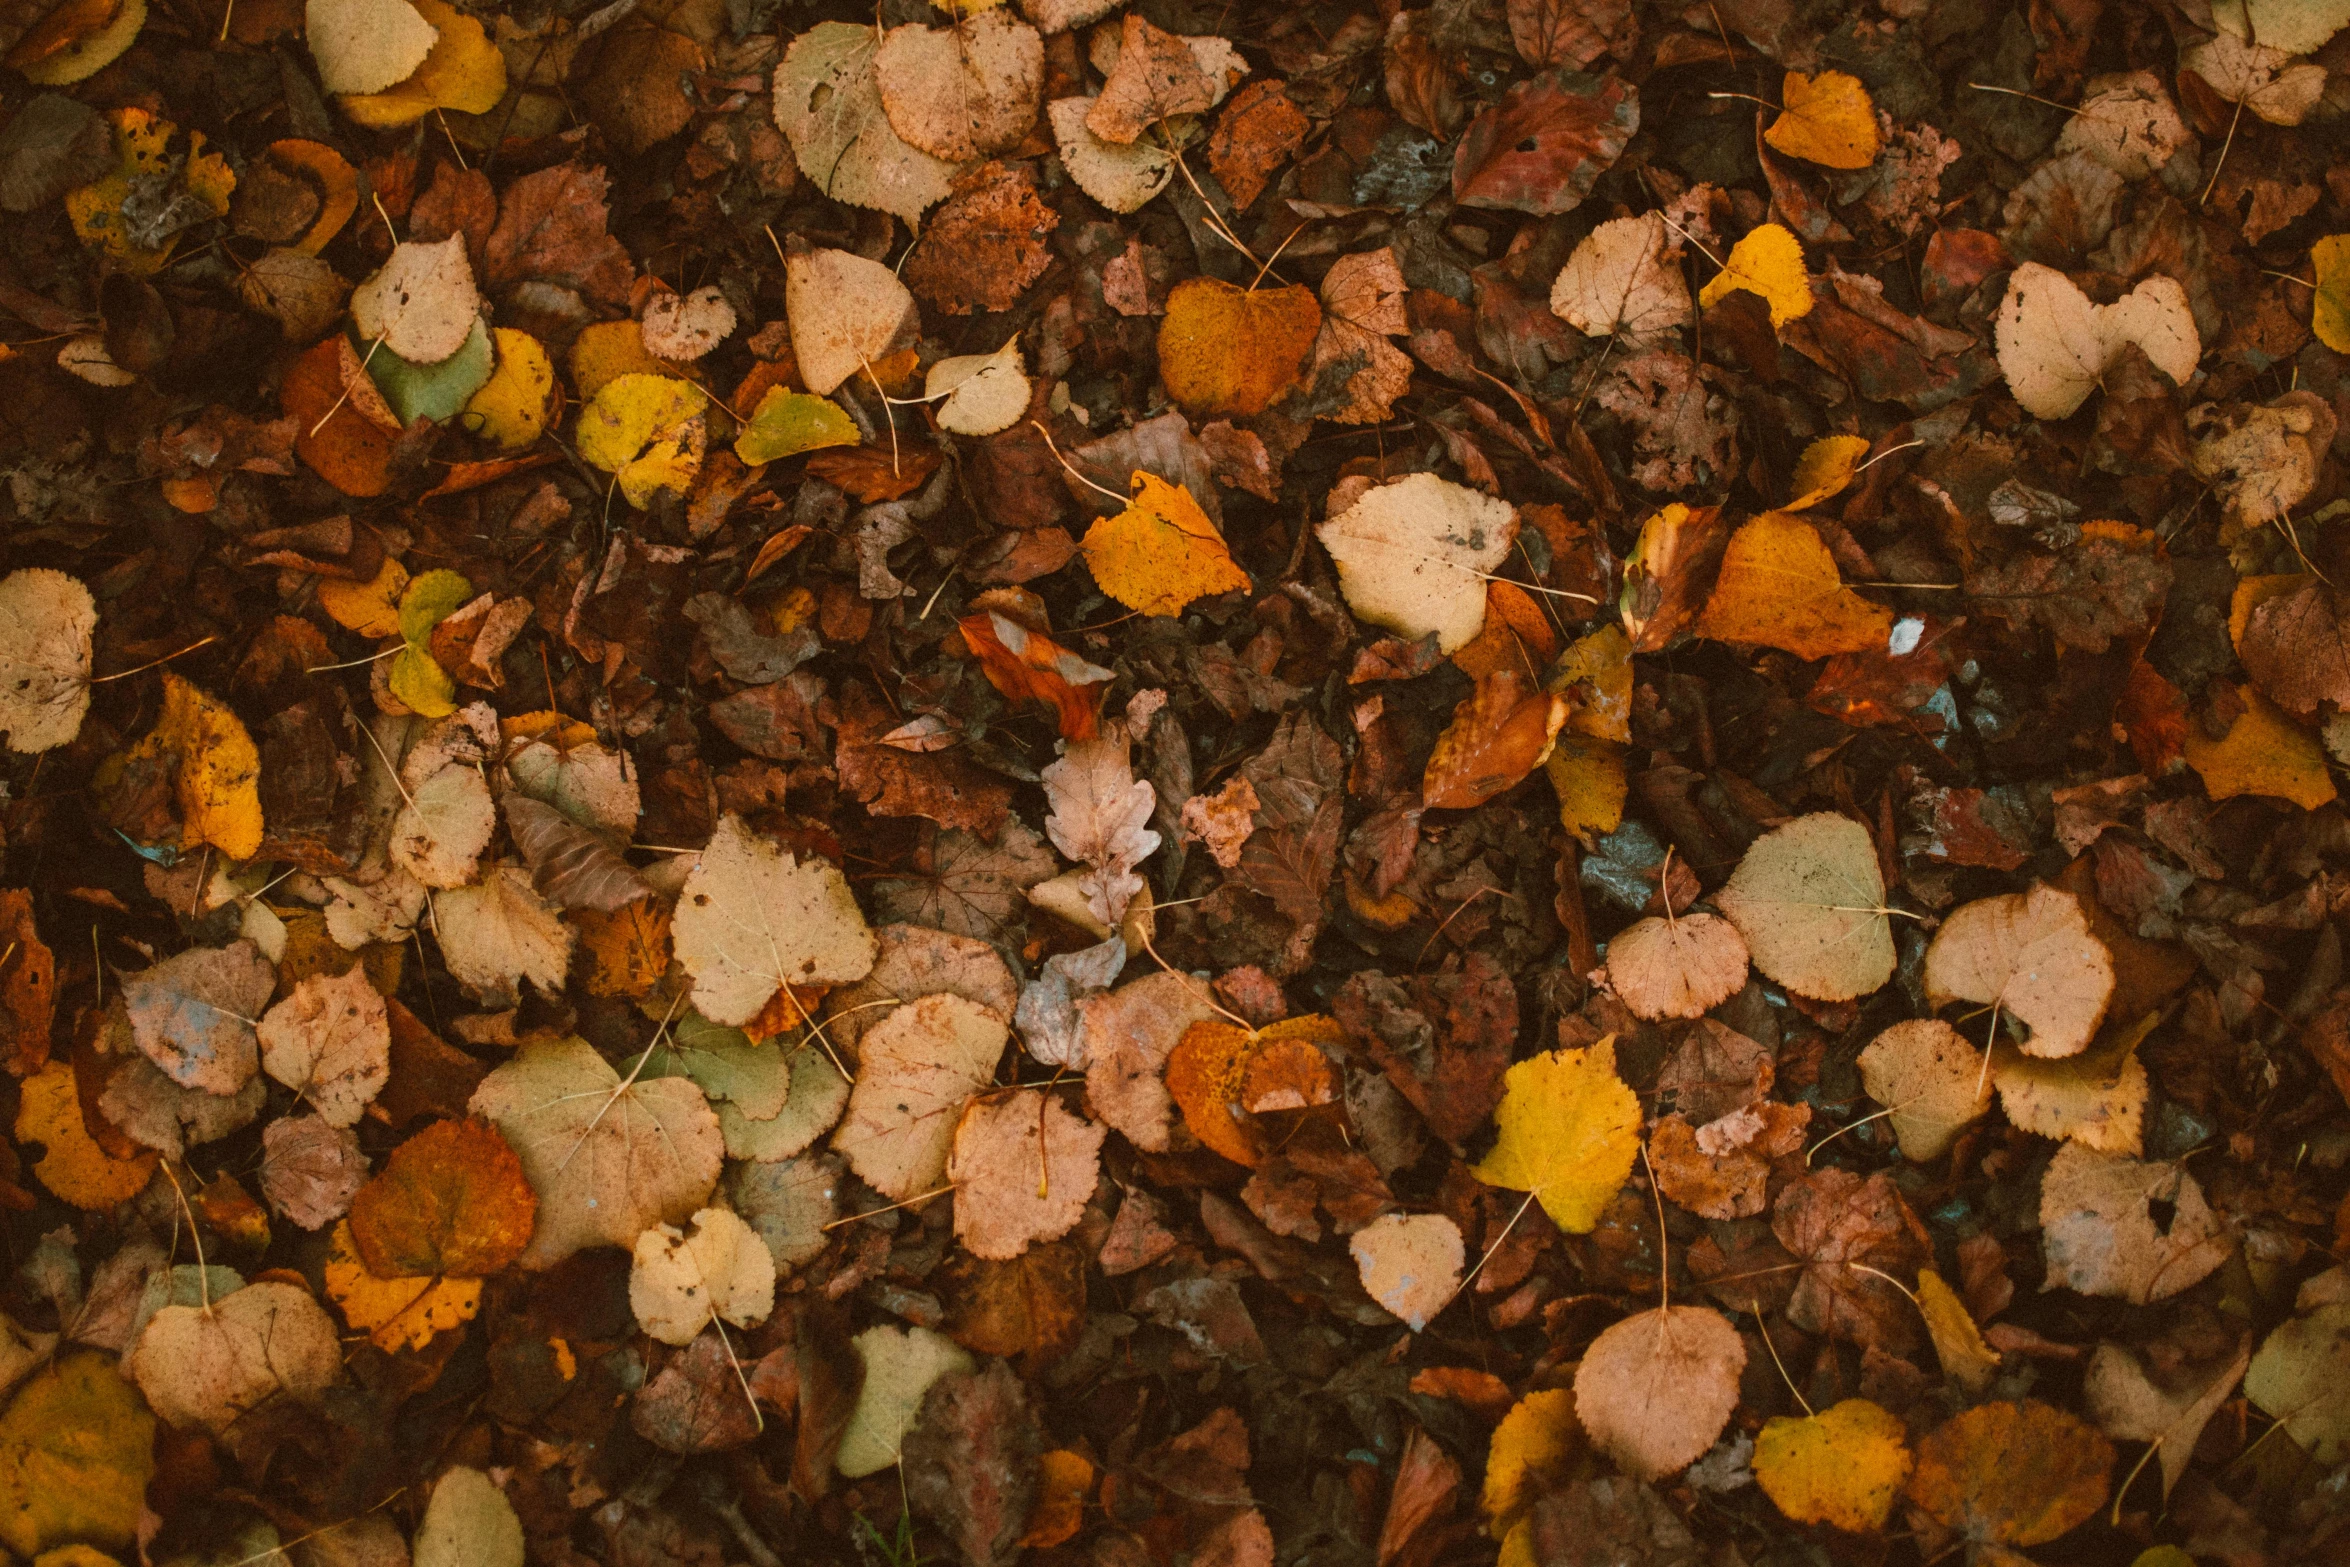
[1138, 783]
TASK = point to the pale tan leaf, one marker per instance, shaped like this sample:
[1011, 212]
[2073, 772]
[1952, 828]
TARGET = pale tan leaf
[1024, 1166]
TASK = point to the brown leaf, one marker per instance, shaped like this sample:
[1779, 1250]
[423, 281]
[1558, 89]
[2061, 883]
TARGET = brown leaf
[1544, 146]
[1032, 1306]
[1254, 136]
[551, 228]
[2011, 1474]
[1444, 1040]
[986, 245]
[945, 786]
[1856, 1240]
[2297, 651]
[570, 866]
[28, 986]
[972, 1461]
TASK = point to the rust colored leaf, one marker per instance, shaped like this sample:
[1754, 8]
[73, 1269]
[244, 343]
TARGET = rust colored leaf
[1547, 142]
[450, 1202]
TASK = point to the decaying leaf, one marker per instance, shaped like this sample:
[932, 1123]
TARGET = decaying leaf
[2031, 956]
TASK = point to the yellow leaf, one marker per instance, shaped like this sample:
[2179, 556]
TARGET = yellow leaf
[2330, 315]
[608, 350]
[370, 608]
[647, 431]
[1161, 552]
[1569, 1129]
[464, 72]
[143, 153]
[77, 1449]
[1064, 1480]
[1595, 676]
[1958, 1343]
[1589, 777]
[74, 42]
[72, 1164]
[512, 408]
[1825, 468]
[1841, 1467]
[1828, 120]
[787, 423]
[1230, 350]
[1779, 588]
[1538, 1435]
[1769, 262]
[217, 770]
[628, 949]
[397, 1313]
[2264, 752]
[421, 684]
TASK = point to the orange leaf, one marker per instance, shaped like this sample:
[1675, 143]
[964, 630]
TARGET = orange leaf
[1828, 120]
[628, 949]
[1230, 350]
[72, 1164]
[1501, 732]
[1161, 552]
[346, 450]
[2011, 1474]
[1222, 1074]
[451, 1201]
[1025, 664]
[1517, 635]
[1060, 1502]
[1779, 588]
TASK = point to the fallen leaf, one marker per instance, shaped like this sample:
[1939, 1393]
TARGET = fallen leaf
[1121, 178]
[214, 766]
[2262, 78]
[1810, 901]
[1027, 665]
[193, 1015]
[443, 827]
[752, 919]
[682, 1280]
[2102, 1236]
[1767, 262]
[1160, 75]
[1966, 1359]
[1569, 1132]
[1545, 145]
[468, 1523]
[2031, 957]
[500, 932]
[1410, 1263]
[684, 327]
[2011, 1474]
[329, 1041]
[1222, 1075]
[2264, 752]
[209, 1365]
[972, 1461]
[1500, 732]
[310, 1171]
[1779, 587]
[1064, 1482]
[1413, 556]
[2132, 1406]
[900, 1366]
[364, 46]
[2261, 459]
[1624, 280]
[961, 92]
[46, 622]
[847, 313]
[2329, 259]
[1677, 967]
[1932, 1082]
[1656, 1388]
[1530, 1448]
[2055, 346]
[77, 1451]
[918, 1067]
[607, 1158]
[1844, 1466]
[648, 432]
[578, 869]
[1129, 1034]
[983, 394]
[1722, 1170]
[2301, 1378]
[73, 1165]
[2128, 123]
[1097, 813]
[421, 304]
[1826, 119]
[1023, 1167]
[405, 1312]
[1161, 552]
[451, 1201]
[828, 103]
[1224, 349]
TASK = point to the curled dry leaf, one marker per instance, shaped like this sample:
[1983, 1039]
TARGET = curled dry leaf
[1500, 732]
[571, 866]
[1655, 1389]
[2031, 956]
[1023, 1167]
[1676, 968]
[1810, 900]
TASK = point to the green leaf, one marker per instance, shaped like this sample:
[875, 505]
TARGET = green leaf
[422, 684]
[431, 599]
[788, 423]
[438, 392]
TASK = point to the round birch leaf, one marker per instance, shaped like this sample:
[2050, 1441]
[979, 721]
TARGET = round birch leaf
[752, 919]
[1655, 1389]
[1810, 900]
